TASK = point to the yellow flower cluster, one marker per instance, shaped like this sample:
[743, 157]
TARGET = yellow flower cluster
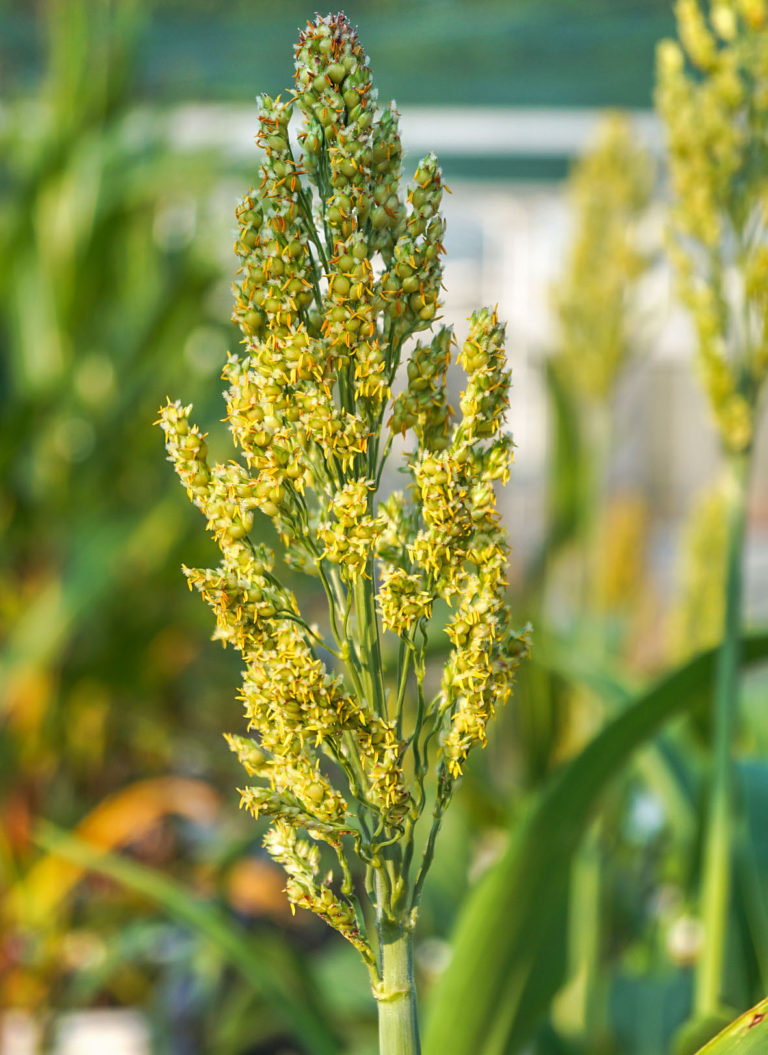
[338, 269]
[295, 704]
[455, 485]
[225, 494]
[350, 536]
[403, 600]
[712, 94]
[457, 549]
[621, 578]
[479, 674]
[610, 188]
[424, 406]
[301, 861]
[698, 617]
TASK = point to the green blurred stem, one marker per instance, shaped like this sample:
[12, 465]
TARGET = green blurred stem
[396, 995]
[598, 430]
[716, 885]
[589, 1014]
[585, 934]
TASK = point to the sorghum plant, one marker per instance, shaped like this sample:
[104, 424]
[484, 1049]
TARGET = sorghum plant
[713, 97]
[595, 307]
[595, 299]
[339, 270]
[595, 310]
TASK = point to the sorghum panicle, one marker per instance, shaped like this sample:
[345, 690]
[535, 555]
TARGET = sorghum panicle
[713, 97]
[338, 269]
[594, 304]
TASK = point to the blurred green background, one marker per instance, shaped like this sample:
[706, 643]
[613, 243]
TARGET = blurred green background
[115, 275]
[500, 52]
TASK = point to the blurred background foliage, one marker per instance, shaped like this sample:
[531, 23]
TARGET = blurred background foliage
[560, 52]
[144, 888]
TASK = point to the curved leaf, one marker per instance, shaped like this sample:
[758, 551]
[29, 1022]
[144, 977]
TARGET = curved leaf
[488, 1002]
[115, 821]
[748, 1035]
[263, 964]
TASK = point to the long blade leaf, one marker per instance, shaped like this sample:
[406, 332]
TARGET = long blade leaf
[262, 966]
[485, 1004]
[748, 1035]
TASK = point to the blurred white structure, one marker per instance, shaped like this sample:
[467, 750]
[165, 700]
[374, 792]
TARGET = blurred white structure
[105, 1032]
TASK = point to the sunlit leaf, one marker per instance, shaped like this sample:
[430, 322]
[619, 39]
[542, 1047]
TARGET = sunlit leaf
[748, 1035]
[494, 992]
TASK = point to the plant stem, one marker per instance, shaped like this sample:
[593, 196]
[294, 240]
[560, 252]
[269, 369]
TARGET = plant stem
[398, 1028]
[716, 885]
[586, 928]
[587, 1014]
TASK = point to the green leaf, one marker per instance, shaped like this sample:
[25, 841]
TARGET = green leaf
[567, 487]
[266, 965]
[494, 991]
[748, 1035]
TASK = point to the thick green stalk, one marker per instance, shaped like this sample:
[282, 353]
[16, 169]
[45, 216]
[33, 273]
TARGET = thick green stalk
[716, 886]
[396, 995]
[395, 992]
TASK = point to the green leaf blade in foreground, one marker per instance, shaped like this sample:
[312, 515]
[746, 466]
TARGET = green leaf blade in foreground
[747, 1035]
[485, 1003]
[265, 966]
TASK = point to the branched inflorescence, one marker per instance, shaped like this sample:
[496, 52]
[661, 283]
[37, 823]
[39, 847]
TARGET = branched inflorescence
[338, 271]
[713, 97]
